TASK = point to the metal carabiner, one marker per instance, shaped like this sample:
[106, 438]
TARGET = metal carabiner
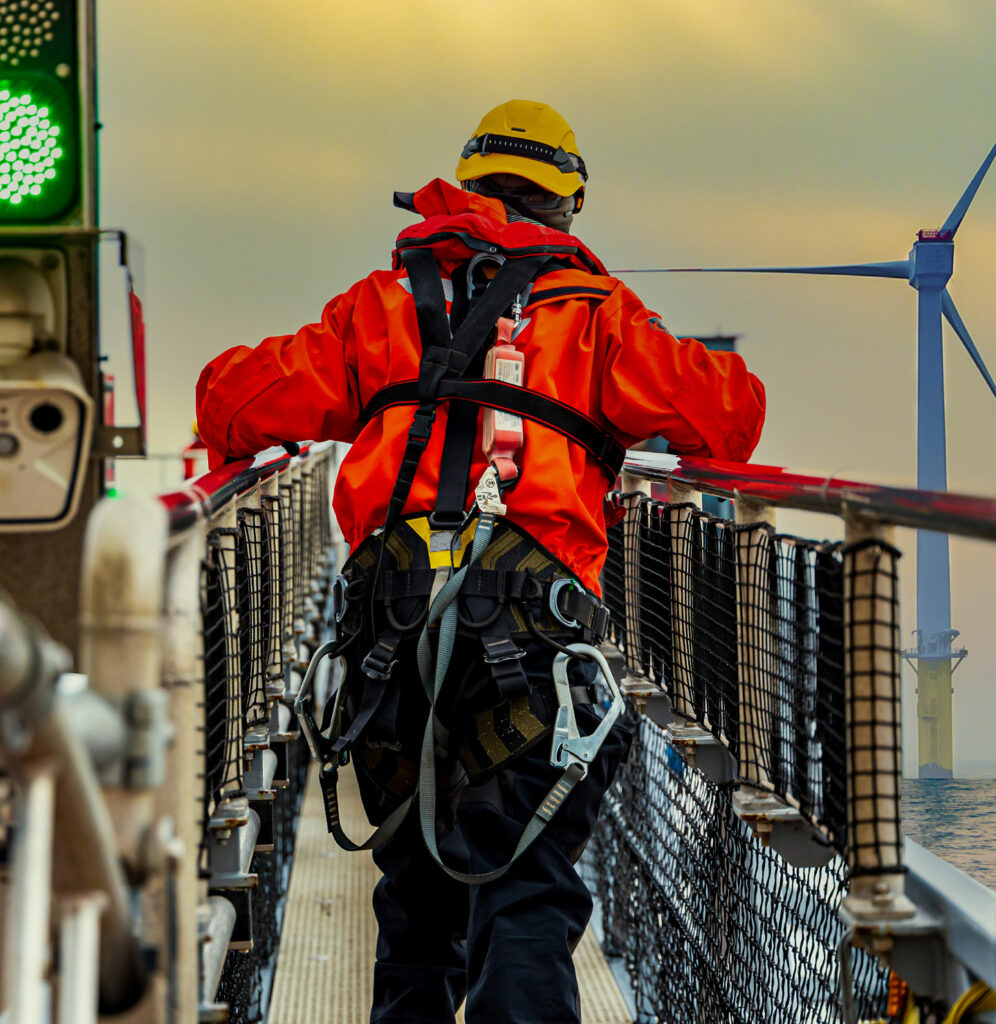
[340, 601]
[569, 746]
[303, 705]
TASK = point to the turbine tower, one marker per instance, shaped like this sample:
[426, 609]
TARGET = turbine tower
[928, 268]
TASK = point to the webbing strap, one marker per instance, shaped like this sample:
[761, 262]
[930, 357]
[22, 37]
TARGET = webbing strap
[329, 778]
[433, 672]
[531, 405]
[454, 467]
[334, 752]
[443, 355]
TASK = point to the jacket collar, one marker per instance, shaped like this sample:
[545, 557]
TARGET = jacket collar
[458, 224]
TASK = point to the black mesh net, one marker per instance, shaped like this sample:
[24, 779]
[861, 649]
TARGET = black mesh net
[254, 598]
[223, 701]
[264, 584]
[710, 925]
[743, 629]
[745, 632]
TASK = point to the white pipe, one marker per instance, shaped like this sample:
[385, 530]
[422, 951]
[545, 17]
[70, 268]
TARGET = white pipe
[79, 945]
[29, 894]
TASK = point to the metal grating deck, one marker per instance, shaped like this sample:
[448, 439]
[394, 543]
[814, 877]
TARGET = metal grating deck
[325, 966]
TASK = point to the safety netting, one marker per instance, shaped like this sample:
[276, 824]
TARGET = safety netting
[710, 924]
[785, 650]
[265, 581]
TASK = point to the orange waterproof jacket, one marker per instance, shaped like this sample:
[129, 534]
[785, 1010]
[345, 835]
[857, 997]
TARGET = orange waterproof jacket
[588, 341]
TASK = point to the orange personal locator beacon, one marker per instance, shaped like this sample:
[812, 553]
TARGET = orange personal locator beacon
[502, 431]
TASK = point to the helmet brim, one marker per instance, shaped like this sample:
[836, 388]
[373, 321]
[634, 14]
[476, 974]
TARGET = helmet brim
[545, 175]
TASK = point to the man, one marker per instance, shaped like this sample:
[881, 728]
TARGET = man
[453, 604]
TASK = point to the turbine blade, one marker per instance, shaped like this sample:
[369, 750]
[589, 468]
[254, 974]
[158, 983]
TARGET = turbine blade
[949, 310]
[894, 268]
[957, 214]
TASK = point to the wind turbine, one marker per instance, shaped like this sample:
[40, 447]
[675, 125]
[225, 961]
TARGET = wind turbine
[928, 268]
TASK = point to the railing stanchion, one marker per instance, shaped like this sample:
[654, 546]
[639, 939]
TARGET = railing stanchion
[183, 677]
[754, 637]
[634, 487]
[873, 724]
[26, 934]
[79, 945]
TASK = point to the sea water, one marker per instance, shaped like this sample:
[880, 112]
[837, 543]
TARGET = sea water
[954, 819]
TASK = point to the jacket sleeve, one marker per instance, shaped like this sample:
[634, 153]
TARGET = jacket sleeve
[703, 402]
[288, 388]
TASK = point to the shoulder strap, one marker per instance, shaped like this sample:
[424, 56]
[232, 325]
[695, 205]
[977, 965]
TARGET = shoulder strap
[444, 355]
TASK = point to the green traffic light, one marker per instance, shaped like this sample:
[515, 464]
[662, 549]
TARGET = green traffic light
[29, 148]
[40, 172]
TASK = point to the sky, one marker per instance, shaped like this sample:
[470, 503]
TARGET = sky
[252, 147]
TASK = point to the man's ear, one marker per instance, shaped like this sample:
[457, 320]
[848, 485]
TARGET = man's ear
[578, 201]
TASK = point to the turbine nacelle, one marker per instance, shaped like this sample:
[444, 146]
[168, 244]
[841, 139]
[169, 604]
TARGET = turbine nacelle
[931, 260]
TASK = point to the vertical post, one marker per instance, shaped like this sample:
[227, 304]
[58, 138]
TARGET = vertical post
[681, 523]
[933, 263]
[79, 945]
[872, 723]
[183, 677]
[227, 546]
[26, 939]
[755, 633]
[274, 668]
[635, 488]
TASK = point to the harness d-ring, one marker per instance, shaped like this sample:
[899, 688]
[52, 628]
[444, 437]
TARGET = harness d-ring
[481, 624]
[555, 588]
[404, 627]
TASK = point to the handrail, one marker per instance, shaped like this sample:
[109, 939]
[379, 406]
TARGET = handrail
[965, 515]
[203, 496]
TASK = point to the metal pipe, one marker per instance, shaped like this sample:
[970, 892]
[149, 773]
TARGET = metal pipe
[29, 898]
[964, 515]
[215, 937]
[38, 740]
[182, 677]
[78, 959]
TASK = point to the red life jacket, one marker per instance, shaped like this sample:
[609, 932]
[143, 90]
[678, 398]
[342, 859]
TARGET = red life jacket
[588, 342]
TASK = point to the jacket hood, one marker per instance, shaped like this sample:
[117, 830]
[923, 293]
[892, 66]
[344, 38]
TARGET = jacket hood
[458, 224]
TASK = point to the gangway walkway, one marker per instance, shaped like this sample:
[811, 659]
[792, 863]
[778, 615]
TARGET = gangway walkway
[325, 968]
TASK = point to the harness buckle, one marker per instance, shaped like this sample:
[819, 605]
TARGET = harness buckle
[376, 665]
[554, 603]
[422, 421]
[501, 649]
[600, 625]
[447, 520]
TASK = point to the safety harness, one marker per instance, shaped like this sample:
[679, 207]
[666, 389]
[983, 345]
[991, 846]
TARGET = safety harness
[445, 374]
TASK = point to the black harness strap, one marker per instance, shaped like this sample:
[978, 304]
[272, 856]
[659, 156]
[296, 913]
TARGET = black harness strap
[443, 355]
[531, 405]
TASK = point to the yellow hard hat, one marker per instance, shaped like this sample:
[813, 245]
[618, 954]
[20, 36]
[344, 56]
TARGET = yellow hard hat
[528, 139]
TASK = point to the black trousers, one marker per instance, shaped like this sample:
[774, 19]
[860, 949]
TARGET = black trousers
[506, 945]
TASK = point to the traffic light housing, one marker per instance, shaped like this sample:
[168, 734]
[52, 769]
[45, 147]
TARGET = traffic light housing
[47, 125]
[49, 344]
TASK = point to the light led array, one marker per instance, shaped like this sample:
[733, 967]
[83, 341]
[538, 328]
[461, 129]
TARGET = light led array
[29, 147]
